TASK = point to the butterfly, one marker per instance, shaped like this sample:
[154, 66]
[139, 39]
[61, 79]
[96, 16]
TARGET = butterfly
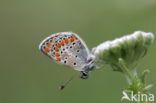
[69, 49]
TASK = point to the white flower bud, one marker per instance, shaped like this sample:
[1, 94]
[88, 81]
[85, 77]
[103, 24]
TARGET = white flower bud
[130, 48]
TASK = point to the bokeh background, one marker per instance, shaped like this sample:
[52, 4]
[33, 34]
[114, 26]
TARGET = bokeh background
[27, 76]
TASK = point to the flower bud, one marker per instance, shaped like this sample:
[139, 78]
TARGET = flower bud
[130, 48]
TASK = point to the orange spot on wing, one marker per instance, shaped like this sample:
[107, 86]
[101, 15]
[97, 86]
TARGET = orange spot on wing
[46, 50]
[58, 45]
[57, 54]
[66, 40]
[62, 43]
[49, 45]
[71, 39]
[75, 37]
[56, 49]
[58, 59]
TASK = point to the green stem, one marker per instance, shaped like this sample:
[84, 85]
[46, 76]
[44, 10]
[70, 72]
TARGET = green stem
[125, 69]
[133, 80]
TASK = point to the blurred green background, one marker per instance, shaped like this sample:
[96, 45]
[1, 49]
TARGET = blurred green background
[27, 76]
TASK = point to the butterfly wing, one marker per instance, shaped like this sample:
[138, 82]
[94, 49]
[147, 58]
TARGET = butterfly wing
[66, 48]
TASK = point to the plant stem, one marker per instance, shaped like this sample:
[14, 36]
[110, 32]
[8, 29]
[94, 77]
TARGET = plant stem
[131, 77]
[125, 69]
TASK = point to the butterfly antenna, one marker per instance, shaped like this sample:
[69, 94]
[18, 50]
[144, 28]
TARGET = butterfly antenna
[61, 87]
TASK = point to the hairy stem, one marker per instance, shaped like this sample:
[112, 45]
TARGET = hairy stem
[126, 70]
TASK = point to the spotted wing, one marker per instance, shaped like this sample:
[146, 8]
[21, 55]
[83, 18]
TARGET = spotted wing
[66, 48]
